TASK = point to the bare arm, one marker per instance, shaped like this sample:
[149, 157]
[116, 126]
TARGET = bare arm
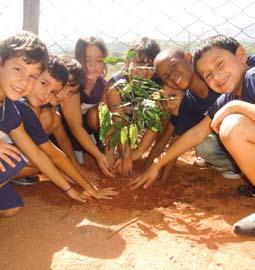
[41, 160]
[189, 139]
[144, 145]
[158, 148]
[72, 112]
[66, 166]
[235, 106]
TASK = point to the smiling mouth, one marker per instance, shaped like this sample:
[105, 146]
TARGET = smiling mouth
[178, 80]
[18, 90]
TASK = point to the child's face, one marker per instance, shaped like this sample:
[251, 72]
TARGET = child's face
[174, 98]
[65, 93]
[176, 71]
[17, 78]
[45, 88]
[94, 62]
[221, 69]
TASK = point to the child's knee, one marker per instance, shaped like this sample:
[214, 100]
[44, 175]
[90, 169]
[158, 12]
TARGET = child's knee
[232, 128]
[10, 212]
[92, 119]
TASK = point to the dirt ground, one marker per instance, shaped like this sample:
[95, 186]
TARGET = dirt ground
[184, 225]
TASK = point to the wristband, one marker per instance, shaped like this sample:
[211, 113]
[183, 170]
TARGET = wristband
[65, 191]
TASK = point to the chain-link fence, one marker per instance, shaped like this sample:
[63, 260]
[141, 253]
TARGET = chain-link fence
[183, 23]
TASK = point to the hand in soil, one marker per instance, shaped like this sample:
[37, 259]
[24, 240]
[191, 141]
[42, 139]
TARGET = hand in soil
[146, 179]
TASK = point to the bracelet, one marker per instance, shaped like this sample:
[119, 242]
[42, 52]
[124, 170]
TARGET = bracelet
[65, 191]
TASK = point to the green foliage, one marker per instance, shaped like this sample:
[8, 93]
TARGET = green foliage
[141, 102]
[113, 60]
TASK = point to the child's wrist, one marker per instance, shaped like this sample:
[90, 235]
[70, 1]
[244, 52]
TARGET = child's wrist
[67, 189]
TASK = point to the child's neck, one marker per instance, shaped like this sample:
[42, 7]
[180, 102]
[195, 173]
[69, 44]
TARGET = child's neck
[89, 86]
[36, 110]
[198, 86]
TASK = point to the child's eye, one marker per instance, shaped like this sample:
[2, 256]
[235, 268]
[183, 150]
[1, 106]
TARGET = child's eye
[44, 84]
[34, 77]
[208, 77]
[17, 69]
[54, 92]
[220, 64]
[165, 78]
[172, 68]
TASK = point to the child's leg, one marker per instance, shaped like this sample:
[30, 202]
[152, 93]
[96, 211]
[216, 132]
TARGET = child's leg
[10, 201]
[214, 153]
[237, 133]
[92, 118]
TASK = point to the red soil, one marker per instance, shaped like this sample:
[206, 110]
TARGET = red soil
[184, 225]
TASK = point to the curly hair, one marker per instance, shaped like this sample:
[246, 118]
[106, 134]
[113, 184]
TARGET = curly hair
[146, 46]
[24, 44]
[74, 68]
[57, 69]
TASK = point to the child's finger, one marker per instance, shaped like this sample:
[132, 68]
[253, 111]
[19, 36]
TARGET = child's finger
[7, 160]
[2, 168]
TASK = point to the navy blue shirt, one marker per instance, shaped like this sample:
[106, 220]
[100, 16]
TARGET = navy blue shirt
[248, 93]
[31, 123]
[9, 116]
[192, 110]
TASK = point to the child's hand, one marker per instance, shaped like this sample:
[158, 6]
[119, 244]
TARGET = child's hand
[104, 166]
[89, 175]
[146, 179]
[124, 166]
[72, 193]
[136, 154]
[6, 151]
[219, 116]
[140, 71]
[104, 193]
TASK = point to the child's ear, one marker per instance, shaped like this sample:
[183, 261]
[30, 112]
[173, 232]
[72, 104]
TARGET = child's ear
[188, 57]
[241, 54]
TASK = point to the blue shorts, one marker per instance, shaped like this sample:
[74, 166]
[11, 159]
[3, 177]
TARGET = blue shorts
[9, 198]
[10, 171]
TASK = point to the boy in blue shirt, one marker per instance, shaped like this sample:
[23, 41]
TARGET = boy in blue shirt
[174, 68]
[222, 62]
[22, 59]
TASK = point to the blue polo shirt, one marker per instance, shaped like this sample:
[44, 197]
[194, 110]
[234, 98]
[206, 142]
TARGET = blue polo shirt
[31, 123]
[10, 119]
[192, 110]
[248, 93]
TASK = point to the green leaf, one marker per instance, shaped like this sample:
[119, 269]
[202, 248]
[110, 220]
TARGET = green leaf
[115, 140]
[133, 133]
[113, 60]
[131, 55]
[124, 135]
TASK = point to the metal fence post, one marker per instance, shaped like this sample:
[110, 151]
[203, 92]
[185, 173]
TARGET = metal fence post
[31, 15]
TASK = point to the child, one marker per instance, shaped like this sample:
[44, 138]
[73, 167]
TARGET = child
[140, 65]
[80, 122]
[172, 104]
[50, 117]
[23, 58]
[235, 122]
[51, 81]
[222, 62]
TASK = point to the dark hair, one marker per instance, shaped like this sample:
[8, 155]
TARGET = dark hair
[84, 42]
[221, 41]
[74, 68]
[146, 46]
[57, 69]
[25, 44]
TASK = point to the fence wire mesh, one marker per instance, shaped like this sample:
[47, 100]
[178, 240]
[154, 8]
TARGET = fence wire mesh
[183, 23]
